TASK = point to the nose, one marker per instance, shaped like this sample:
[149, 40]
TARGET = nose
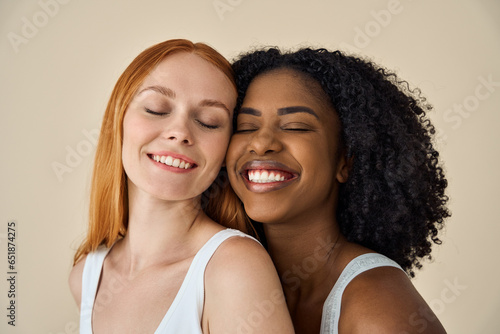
[265, 141]
[178, 130]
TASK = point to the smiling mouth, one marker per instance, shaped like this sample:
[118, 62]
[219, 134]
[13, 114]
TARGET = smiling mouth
[262, 176]
[171, 161]
[267, 176]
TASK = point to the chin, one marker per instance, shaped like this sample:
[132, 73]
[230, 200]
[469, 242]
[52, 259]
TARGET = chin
[169, 195]
[266, 216]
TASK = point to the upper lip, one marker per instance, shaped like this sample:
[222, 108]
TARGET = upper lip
[267, 165]
[175, 156]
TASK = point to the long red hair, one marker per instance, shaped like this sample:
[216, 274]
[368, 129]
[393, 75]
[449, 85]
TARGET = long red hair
[108, 211]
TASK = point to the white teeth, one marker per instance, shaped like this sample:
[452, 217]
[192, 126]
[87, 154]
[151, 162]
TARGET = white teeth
[168, 160]
[265, 176]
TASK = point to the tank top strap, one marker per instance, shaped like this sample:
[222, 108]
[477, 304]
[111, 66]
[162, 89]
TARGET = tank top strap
[185, 313]
[331, 308]
[90, 280]
[207, 251]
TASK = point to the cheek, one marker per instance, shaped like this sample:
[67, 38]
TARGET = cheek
[321, 167]
[137, 132]
[216, 146]
[129, 143]
[235, 149]
[315, 159]
[137, 129]
[234, 152]
[129, 133]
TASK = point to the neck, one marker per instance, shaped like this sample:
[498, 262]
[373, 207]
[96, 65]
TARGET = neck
[159, 231]
[304, 255]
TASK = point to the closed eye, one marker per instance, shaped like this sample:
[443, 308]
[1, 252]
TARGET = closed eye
[208, 126]
[245, 130]
[297, 127]
[149, 111]
[245, 127]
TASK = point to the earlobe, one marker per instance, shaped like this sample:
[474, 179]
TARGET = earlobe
[344, 170]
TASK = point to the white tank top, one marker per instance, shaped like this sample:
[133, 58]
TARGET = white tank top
[331, 308]
[184, 315]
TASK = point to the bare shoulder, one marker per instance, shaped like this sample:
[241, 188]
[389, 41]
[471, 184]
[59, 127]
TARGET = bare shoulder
[383, 300]
[241, 260]
[75, 280]
[236, 248]
[241, 285]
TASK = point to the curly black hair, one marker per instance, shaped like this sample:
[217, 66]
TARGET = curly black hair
[394, 201]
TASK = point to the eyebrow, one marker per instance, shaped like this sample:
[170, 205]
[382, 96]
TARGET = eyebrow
[296, 109]
[250, 111]
[281, 111]
[214, 103]
[160, 89]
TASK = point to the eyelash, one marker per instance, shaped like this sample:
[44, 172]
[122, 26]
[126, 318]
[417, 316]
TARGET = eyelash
[149, 111]
[283, 128]
[297, 129]
[243, 131]
[208, 126]
[237, 130]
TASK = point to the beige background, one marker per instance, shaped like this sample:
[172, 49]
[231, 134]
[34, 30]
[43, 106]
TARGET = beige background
[60, 60]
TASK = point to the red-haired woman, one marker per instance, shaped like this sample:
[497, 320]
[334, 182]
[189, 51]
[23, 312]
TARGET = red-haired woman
[153, 261]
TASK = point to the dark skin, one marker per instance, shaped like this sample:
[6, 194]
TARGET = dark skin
[299, 213]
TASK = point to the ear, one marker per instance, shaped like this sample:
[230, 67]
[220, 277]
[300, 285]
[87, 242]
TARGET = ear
[344, 167]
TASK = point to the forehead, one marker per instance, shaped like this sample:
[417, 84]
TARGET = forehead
[183, 61]
[283, 88]
[188, 72]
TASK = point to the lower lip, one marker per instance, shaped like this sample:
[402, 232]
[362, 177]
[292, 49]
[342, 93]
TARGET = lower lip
[266, 187]
[171, 168]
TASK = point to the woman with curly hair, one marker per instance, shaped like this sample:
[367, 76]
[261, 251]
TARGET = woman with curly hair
[332, 159]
